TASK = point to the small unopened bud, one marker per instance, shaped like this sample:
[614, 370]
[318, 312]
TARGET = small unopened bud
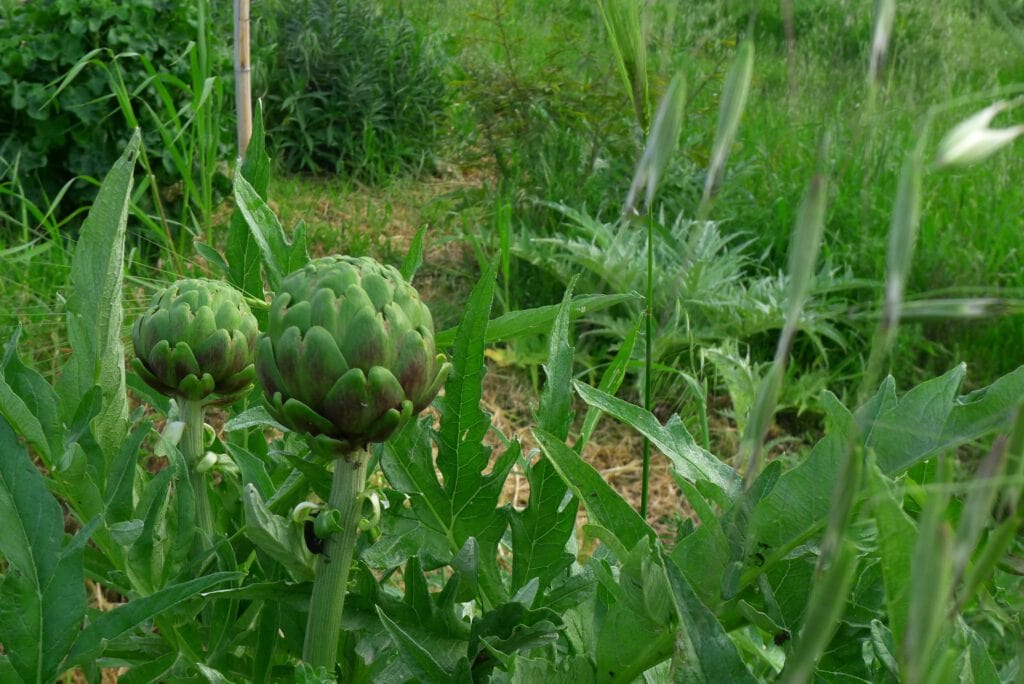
[209, 435]
[303, 510]
[206, 462]
[972, 140]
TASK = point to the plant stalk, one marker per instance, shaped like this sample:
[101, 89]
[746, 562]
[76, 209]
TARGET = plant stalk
[328, 599]
[645, 479]
[192, 449]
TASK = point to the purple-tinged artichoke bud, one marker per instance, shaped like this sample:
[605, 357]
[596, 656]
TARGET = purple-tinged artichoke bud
[196, 342]
[349, 353]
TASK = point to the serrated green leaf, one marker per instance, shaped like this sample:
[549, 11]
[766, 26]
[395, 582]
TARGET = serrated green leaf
[611, 380]
[42, 596]
[541, 530]
[416, 658]
[126, 617]
[252, 469]
[462, 457]
[276, 536]
[95, 310]
[153, 671]
[253, 417]
[30, 405]
[536, 321]
[913, 429]
[414, 257]
[687, 458]
[241, 251]
[121, 478]
[404, 536]
[605, 507]
[280, 256]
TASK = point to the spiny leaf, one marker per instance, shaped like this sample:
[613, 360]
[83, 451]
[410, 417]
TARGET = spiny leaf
[605, 507]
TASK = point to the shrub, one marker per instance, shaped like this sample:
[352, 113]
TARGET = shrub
[348, 89]
[48, 139]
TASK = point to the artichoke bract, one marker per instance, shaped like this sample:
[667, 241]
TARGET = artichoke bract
[196, 342]
[349, 353]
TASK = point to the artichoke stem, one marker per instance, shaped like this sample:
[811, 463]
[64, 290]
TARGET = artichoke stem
[328, 599]
[192, 448]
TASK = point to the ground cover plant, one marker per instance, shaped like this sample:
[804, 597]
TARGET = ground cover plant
[279, 466]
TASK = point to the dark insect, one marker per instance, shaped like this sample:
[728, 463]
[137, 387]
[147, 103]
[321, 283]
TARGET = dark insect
[314, 543]
[781, 638]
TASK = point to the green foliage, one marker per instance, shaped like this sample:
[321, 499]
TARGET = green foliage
[50, 139]
[350, 90]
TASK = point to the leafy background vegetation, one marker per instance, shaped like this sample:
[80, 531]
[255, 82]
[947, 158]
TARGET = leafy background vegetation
[506, 131]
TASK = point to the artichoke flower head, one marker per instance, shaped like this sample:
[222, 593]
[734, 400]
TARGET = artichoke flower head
[349, 353]
[196, 342]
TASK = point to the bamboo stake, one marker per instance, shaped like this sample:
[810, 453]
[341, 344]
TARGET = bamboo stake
[243, 76]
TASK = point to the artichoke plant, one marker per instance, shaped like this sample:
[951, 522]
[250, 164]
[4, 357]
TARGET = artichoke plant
[196, 342]
[349, 353]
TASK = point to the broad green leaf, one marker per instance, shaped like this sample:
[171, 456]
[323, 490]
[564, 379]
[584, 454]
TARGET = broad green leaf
[702, 556]
[978, 666]
[414, 257]
[418, 659]
[241, 251]
[687, 458]
[513, 627]
[95, 309]
[121, 478]
[605, 507]
[983, 411]
[902, 431]
[42, 596]
[801, 499]
[253, 417]
[541, 530]
[639, 629]
[897, 535]
[112, 624]
[913, 429]
[575, 669]
[280, 256]
[153, 671]
[295, 596]
[536, 321]
[708, 654]
[252, 469]
[29, 404]
[403, 536]
[146, 557]
[408, 463]
[278, 537]
[7, 671]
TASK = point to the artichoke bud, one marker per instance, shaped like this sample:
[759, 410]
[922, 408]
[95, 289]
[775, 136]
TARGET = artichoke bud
[196, 342]
[348, 356]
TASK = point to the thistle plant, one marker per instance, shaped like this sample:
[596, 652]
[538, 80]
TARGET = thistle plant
[347, 359]
[195, 345]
